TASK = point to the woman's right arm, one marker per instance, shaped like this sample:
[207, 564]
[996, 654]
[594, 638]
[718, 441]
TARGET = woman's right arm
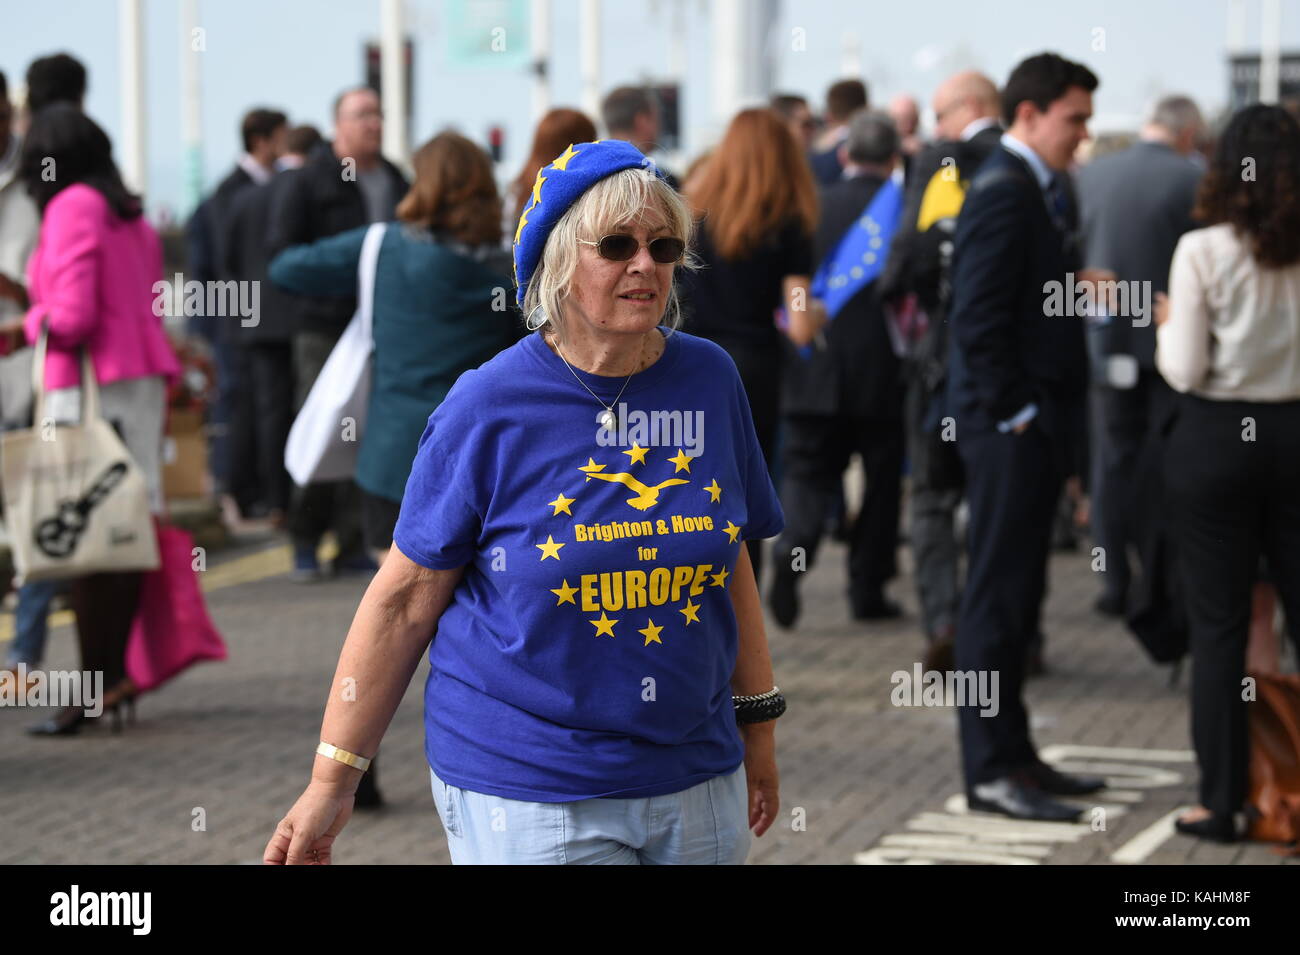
[390, 632]
[324, 267]
[1183, 338]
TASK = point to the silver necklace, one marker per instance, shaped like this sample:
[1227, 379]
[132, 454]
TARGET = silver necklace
[608, 419]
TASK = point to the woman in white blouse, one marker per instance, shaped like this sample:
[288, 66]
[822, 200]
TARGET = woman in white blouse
[1229, 340]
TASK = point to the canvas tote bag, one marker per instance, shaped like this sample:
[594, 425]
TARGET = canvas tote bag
[75, 501]
[318, 448]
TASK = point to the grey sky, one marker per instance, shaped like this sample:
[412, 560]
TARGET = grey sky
[296, 54]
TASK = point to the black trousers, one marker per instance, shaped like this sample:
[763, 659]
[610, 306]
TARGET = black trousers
[1013, 482]
[1129, 417]
[261, 423]
[326, 505]
[760, 373]
[815, 452]
[105, 606]
[1232, 470]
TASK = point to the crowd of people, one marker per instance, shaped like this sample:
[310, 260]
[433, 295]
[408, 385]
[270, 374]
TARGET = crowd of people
[847, 288]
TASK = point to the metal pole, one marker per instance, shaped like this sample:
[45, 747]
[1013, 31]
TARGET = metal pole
[191, 108]
[590, 59]
[1270, 51]
[392, 76]
[728, 60]
[130, 25]
[540, 38]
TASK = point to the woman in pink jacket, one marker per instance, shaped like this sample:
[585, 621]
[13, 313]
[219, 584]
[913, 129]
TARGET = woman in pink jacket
[91, 281]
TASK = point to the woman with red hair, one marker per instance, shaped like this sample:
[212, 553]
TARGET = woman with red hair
[756, 202]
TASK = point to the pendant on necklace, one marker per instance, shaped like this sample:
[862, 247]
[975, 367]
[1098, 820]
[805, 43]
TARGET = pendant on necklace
[609, 421]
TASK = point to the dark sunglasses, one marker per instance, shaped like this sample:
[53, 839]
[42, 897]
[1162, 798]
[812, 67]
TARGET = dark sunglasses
[619, 248]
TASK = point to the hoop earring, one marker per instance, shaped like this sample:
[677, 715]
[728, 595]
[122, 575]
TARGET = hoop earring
[541, 319]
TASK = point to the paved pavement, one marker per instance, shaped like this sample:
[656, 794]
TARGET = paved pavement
[218, 756]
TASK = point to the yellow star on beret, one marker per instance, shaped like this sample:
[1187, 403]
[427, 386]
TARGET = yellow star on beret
[562, 161]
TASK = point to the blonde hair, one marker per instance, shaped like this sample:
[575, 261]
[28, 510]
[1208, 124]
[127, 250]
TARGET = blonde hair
[624, 197]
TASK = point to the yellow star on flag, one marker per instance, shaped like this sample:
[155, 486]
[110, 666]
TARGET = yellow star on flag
[637, 454]
[562, 160]
[591, 467]
[565, 593]
[651, 633]
[682, 460]
[715, 492]
[690, 611]
[604, 624]
[561, 503]
[550, 548]
[720, 578]
[537, 188]
[732, 530]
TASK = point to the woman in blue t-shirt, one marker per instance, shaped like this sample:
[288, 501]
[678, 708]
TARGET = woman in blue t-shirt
[600, 688]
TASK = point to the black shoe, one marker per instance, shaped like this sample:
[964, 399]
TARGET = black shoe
[783, 597]
[1013, 797]
[1110, 605]
[940, 655]
[351, 564]
[65, 723]
[367, 795]
[1064, 784]
[878, 608]
[1213, 827]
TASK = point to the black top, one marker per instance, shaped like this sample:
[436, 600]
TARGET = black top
[321, 199]
[734, 302]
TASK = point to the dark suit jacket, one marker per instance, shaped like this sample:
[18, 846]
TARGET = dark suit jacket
[857, 373]
[315, 203]
[826, 166]
[1134, 206]
[221, 207]
[1006, 352]
[247, 256]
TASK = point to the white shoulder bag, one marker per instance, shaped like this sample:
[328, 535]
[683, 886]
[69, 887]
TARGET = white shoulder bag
[323, 441]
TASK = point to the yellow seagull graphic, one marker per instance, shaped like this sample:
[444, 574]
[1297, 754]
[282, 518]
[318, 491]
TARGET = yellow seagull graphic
[646, 496]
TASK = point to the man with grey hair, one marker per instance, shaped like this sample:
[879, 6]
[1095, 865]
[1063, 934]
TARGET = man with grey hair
[844, 397]
[1135, 205]
[630, 113]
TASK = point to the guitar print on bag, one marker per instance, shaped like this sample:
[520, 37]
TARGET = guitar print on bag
[57, 536]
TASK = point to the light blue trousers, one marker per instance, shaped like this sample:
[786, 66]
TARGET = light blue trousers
[707, 824]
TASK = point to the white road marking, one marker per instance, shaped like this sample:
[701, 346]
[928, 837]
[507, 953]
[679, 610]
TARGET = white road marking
[1148, 840]
[959, 836]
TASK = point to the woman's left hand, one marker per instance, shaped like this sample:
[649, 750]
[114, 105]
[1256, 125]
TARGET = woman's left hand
[761, 774]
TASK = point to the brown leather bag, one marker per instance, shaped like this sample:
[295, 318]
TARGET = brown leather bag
[1275, 760]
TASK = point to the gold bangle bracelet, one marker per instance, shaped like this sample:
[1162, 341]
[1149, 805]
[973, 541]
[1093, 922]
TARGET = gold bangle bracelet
[343, 756]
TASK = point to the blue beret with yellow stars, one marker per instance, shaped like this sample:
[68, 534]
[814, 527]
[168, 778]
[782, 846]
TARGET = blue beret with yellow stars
[558, 186]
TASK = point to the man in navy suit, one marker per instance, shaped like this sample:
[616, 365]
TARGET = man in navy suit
[1017, 385]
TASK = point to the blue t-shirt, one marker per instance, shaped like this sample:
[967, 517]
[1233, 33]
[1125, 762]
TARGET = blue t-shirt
[588, 650]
